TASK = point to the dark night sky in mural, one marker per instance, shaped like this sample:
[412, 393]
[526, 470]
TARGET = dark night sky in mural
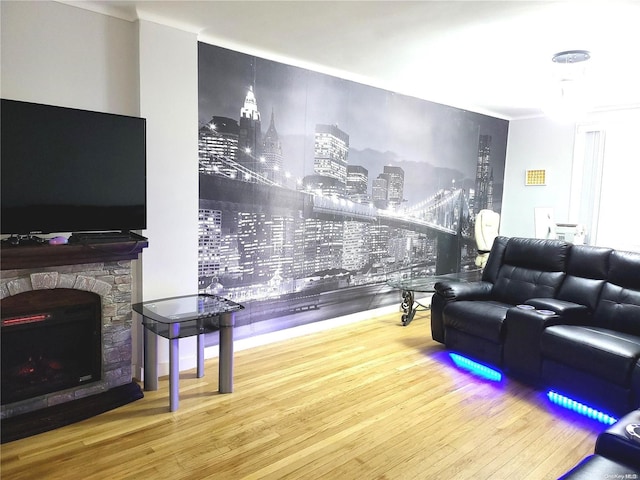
[384, 127]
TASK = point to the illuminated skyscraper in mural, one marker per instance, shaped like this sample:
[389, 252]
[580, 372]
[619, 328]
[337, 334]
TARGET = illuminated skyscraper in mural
[217, 249]
[218, 143]
[380, 190]
[250, 133]
[271, 159]
[355, 254]
[265, 244]
[331, 150]
[357, 183]
[379, 235]
[395, 185]
[209, 243]
[483, 197]
[322, 238]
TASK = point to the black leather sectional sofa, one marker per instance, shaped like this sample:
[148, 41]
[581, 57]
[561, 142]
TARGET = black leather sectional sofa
[558, 316]
[587, 343]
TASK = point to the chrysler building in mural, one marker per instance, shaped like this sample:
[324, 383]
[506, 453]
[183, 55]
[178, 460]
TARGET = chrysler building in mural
[250, 134]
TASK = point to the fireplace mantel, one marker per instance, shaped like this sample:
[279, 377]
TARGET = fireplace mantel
[14, 257]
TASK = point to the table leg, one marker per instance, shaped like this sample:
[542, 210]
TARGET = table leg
[408, 300]
[150, 360]
[225, 371]
[200, 355]
[174, 367]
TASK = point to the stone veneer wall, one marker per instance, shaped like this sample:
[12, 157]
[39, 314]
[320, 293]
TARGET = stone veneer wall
[110, 280]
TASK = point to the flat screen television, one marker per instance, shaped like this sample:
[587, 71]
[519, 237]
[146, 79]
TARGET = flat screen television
[70, 170]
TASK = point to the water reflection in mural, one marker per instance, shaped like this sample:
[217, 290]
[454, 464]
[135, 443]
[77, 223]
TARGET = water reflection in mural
[314, 189]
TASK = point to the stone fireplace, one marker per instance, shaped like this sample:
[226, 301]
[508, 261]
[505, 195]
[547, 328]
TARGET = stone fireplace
[50, 278]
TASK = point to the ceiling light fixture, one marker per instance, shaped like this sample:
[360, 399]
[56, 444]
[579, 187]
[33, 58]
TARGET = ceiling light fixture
[571, 56]
[570, 96]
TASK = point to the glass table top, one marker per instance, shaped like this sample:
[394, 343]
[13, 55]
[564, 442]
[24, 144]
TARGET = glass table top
[185, 308]
[426, 283]
[179, 317]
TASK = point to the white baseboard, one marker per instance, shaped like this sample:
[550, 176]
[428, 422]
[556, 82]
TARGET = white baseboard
[188, 361]
[293, 332]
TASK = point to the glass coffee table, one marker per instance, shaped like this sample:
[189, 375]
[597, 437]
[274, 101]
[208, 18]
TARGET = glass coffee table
[179, 317]
[409, 284]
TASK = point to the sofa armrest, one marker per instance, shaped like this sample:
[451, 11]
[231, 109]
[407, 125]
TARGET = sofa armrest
[524, 329]
[615, 444]
[438, 302]
[569, 312]
[452, 291]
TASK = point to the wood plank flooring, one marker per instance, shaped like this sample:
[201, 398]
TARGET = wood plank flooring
[369, 400]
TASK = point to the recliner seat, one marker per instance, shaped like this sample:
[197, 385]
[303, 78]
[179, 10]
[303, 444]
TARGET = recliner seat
[596, 360]
[524, 268]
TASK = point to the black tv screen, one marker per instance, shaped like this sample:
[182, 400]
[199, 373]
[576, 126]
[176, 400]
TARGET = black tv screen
[70, 170]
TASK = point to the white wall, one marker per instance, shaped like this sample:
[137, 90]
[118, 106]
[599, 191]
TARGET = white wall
[542, 143]
[61, 55]
[537, 143]
[616, 224]
[169, 102]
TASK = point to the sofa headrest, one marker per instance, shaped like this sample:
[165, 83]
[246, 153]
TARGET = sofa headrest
[624, 269]
[588, 261]
[491, 269]
[537, 254]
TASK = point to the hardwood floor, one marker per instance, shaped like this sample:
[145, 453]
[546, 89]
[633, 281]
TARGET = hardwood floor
[369, 400]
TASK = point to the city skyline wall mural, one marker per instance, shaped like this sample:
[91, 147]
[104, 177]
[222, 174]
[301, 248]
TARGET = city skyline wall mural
[314, 190]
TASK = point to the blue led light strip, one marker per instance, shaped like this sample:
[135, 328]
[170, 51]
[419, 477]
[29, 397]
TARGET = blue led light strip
[476, 368]
[580, 408]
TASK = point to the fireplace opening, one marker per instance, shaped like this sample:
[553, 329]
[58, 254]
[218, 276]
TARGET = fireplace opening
[51, 341]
